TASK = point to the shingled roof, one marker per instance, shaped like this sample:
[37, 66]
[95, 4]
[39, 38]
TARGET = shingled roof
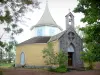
[39, 39]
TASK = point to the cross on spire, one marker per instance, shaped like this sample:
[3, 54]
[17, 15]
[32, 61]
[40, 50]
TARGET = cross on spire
[69, 9]
[46, 1]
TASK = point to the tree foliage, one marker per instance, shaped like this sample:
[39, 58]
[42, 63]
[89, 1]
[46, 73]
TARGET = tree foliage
[62, 58]
[49, 55]
[91, 11]
[11, 10]
[88, 57]
[11, 13]
[53, 58]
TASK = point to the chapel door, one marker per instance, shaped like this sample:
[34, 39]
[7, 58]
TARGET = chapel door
[22, 59]
[70, 55]
[69, 58]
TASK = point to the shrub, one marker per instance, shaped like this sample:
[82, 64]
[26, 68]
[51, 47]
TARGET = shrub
[23, 66]
[52, 58]
[13, 65]
[88, 57]
[49, 55]
[62, 58]
[60, 69]
[1, 73]
[3, 60]
[51, 69]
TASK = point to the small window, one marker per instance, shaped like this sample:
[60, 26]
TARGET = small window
[70, 19]
[51, 31]
[40, 32]
[22, 58]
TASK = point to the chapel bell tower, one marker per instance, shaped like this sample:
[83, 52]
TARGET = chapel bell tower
[69, 20]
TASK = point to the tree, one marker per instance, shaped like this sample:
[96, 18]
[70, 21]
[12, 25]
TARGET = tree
[9, 51]
[2, 45]
[62, 58]
[49, 55]
[11, 13]
[12, 10]
[88, 57]
[91, 11]
[53, 58]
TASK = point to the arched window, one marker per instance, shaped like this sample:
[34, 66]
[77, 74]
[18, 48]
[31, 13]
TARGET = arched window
[70, 19]
[22, 58]
[70, 48]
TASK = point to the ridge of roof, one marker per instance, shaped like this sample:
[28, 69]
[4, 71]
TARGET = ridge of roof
[59, 35]
[70, 13]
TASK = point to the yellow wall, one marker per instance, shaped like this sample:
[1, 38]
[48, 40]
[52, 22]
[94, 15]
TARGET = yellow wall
[33, 53]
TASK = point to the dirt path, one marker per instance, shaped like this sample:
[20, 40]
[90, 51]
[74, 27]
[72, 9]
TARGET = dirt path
[42, 72]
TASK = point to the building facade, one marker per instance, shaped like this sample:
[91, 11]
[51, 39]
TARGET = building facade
[29, 52]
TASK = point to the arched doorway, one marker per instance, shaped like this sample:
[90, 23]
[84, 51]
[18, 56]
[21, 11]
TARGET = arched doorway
[70, 55]
[22, 59]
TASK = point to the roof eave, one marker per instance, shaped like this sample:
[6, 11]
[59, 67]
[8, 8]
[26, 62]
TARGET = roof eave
[46, 25]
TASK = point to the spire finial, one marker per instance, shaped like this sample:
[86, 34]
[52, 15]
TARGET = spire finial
[69, 9]
[46, 1]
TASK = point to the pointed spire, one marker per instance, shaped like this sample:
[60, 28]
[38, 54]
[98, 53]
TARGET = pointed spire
[46, 19]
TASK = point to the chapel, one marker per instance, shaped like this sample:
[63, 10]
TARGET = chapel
[29, 52]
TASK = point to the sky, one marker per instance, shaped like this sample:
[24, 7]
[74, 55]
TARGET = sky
[58, 9]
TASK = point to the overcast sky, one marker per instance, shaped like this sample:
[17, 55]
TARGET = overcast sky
[58, 9]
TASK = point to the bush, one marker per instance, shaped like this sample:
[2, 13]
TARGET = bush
[3, 60]
[13, 65]
[51, 69]
[60, 69]
[90, 67]
[23, 66]
[1, 73]
[52, 58]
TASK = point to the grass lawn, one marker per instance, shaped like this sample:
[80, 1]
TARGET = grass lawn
[6, 65]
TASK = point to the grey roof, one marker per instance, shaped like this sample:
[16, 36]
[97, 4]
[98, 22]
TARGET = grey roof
[69, 14]
[39, 39]
[59, 35]
[46, 20]
[55, 37]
